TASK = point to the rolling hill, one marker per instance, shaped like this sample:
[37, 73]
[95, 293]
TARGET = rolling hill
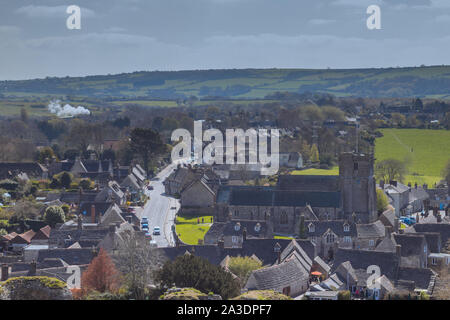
[433, 82]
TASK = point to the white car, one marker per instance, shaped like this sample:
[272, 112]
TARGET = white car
[156, 231]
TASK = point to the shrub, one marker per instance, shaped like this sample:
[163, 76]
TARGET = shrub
[54, 215]
[243, 266]
[344, 295]
[9, 185]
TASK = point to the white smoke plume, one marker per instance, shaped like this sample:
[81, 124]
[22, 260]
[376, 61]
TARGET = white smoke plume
[55, 107]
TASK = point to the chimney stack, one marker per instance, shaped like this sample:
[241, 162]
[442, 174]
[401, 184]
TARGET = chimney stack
[5, 272]
[277, 249]
[398, 250]
[221, 244]
[79, 222]
[112, 228]
[32, 271]
[93, 213]
[388, 231]
[244, 234]
[396, 224]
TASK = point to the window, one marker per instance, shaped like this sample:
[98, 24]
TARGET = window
[347, 239]
[434, 261]
[234, 239]
[425, 249]
[236, 213]
[355, 166]
[313, 239]
[283, 218]
[346, 228]
[371, 243]
[330, 238]
[311, 228]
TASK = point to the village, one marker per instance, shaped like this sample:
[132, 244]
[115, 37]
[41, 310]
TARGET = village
[313, 237]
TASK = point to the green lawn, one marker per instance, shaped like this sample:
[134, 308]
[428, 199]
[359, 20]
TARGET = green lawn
[318, 172]
[427, 150]
[190, 231]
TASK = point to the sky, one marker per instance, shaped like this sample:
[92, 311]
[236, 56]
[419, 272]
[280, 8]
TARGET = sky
[144, 35]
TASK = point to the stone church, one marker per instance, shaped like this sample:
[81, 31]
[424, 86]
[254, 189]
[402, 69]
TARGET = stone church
[349, 196]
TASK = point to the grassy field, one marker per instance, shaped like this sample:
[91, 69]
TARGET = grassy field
[427, 150]
[190, 231]
[432, 81]
[317, 172]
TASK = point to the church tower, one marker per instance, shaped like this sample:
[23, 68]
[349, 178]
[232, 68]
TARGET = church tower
[357, 185]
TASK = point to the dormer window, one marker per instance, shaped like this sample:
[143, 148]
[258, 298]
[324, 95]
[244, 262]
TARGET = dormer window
[346, 228]
[237, 226]
[311, 228]
[330, 238]
[257, 227]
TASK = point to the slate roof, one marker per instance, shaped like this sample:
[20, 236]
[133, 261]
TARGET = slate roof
[418, 194]
[388, 217]
[261, 248]
[337, 226]
[11, 169]
[442, 228]
[68, 237]
[371, 230]
[70, 256]
[308, 182]
[249, 226]
[361, 259]
[268, 196]
[277, 276]
[412, 243]
[421, 277]
[100, 207]
[386, 245]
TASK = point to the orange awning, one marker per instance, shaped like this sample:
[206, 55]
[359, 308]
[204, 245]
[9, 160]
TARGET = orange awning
[316, 273]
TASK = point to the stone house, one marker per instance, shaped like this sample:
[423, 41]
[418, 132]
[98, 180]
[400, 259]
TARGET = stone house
[234, 233]
[291, 160]
[289, 278]
[369, 235]
[197, 194]
[328, 235]
[30, 170]
[414, 250]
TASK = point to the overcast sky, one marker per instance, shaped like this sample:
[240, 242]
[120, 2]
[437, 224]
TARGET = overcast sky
[133, 35]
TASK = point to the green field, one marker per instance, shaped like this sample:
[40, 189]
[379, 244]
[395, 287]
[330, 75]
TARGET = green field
[427, 150]
[317, 172]
[190, 231]
[431, 81]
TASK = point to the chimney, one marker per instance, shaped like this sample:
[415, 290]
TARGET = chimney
[221, 244]
[425, 186]
[112, 228]
[32, 271]
[79, 222]
[244, 234]
[396, 224]
[93, 213]
[388, 231]
[277, 249]
[398, 250]
[5, 272]
[415, 185]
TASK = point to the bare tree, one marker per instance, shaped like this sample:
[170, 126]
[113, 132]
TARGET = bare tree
[137, 261]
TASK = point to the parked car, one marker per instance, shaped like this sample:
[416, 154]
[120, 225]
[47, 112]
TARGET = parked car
[156, 231]
[148, 236]
[150, 188]
[144, 220]
[153, 243]
[145, 228]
